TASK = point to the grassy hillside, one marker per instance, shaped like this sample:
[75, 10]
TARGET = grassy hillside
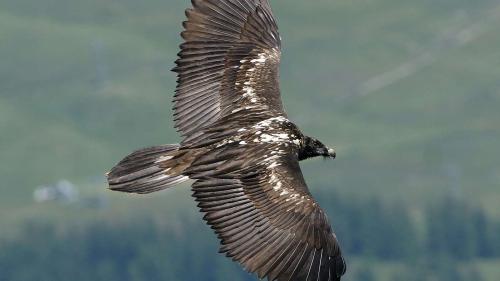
[407, 91]
[82, 84]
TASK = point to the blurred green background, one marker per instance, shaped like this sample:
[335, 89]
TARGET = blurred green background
[407, 91]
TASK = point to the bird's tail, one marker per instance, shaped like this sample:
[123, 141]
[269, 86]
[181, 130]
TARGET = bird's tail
[150, 169]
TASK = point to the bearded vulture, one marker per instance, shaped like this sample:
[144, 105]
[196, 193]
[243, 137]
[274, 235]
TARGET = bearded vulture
[240, 148]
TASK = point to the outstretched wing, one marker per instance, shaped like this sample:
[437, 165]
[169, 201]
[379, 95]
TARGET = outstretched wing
[228, 62]
[257, 201]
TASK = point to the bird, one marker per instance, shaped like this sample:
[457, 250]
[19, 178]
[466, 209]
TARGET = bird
[239, 147]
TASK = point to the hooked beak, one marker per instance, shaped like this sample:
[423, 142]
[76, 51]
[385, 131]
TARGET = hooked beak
[331, 153]
[327, 152]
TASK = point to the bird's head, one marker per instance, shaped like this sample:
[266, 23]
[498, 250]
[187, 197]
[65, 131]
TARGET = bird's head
[313, 147]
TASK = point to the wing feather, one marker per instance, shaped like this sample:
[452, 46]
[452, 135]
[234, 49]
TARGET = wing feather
[228, 78]
[229, 61]
[264, 214]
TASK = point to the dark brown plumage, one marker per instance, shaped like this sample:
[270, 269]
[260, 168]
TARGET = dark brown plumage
[240, 148]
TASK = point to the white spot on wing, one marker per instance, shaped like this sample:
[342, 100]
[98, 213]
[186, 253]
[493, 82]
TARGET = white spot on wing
[228, 141]
[273, 165]
[270, 138]
[275, 182]
[163, 158]
[249, 91]
[268, 122]
[159, 178]
[262, 59]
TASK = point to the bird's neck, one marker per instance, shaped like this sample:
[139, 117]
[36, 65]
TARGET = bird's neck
[307, 149]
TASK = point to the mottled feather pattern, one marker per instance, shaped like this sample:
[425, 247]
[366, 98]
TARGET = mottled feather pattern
[263, 216]
[222, 38]
[240, 148]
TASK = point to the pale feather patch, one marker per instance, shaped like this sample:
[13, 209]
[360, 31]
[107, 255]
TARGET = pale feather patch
[164, 158]
[249, 92]
[273, 165]
[271, 138]
[252, 76]
[262, 59]
[228, 141]
[264, 124]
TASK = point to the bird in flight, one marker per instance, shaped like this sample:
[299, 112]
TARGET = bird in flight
[240, 148]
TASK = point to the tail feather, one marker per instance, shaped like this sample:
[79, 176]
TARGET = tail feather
[142, 171]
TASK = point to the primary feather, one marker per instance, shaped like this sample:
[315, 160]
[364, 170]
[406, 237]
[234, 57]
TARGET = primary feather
[240, 148]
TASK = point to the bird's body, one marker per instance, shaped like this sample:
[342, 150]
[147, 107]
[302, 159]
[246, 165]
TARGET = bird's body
[240, 148]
